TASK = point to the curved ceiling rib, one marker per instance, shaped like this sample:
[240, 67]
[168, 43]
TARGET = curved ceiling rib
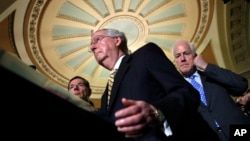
[58, 32]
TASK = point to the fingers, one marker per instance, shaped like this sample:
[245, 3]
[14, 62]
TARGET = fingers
[130, 109]
[129, 120]
[132, 125]
[133, 119]
[131, 129]
[127, 102]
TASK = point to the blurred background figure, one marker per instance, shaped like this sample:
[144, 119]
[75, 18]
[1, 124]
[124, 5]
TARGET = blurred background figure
[80, 87]
[244, 102]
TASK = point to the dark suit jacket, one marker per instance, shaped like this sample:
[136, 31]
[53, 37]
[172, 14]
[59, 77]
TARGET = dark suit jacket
[149, 75]
[218, 84]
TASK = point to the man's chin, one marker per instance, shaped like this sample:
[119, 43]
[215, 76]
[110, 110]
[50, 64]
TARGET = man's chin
[185, 71]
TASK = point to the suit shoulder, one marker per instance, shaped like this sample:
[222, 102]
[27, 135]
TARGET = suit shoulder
[149, 46]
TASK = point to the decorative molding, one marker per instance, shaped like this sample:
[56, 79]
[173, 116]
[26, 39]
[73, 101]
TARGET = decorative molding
[139, 31]
[33, 42]
[206, 17]
[238, 28]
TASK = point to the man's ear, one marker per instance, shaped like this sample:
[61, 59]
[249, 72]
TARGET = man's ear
[118, 41]
[89, 92]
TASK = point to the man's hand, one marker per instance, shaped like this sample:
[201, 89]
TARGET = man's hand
[135, 118]
[200, 63]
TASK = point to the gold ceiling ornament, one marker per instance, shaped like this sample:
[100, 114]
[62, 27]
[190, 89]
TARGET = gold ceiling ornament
[58, 33]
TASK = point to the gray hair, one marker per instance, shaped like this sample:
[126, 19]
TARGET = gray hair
[116, 33]
[190, 45]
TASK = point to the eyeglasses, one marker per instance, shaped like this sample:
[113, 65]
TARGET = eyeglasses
[98, 38]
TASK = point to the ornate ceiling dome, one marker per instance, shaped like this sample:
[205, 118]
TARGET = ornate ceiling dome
[57, 33]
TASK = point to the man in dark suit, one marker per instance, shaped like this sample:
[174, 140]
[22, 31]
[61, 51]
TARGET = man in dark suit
[218, 83]
[149, 99]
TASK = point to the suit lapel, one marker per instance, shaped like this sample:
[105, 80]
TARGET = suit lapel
[104, 99]
[124, 66]
[204, 84]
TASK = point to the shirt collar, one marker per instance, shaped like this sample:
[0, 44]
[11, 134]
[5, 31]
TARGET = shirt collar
[195, 74]
[118, 62]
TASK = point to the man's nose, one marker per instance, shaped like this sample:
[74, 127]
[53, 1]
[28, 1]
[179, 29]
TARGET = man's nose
[76, 87]
[91, 47]
[182, 57]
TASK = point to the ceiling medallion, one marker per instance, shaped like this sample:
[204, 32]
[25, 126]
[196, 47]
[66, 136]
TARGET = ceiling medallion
[133, 28]
[59, 32]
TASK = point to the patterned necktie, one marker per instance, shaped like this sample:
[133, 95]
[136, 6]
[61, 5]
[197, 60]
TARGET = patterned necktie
[110, 84]
[198, 87]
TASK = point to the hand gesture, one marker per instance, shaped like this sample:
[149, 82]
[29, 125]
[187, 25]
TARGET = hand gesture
[135, 118]
[200, 63]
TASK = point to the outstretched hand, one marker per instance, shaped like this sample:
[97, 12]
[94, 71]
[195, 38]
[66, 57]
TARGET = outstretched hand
[135, 118]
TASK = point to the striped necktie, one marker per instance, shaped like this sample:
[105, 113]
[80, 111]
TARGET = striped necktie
[198, 87]
[110, 84]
